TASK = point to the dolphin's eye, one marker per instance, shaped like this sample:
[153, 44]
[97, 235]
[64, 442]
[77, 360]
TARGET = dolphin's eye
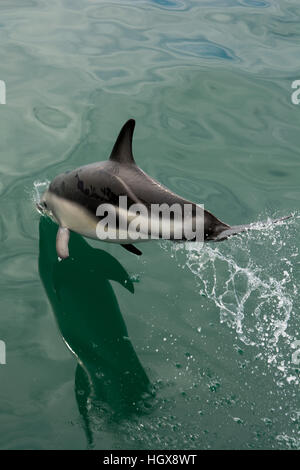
[45, 205]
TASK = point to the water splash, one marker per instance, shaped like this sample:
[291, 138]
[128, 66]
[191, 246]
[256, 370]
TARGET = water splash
[39, 187]
[252, 280]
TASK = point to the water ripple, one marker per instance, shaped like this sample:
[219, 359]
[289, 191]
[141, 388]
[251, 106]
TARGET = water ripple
[201, 48]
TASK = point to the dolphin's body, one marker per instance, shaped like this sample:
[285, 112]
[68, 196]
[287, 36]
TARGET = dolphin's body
[73, 198]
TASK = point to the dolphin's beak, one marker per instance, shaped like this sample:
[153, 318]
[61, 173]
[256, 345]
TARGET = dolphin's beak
[40, 208]
[44, 210]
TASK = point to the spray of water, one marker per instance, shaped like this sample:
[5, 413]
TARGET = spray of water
[39, 187]
[252, 279]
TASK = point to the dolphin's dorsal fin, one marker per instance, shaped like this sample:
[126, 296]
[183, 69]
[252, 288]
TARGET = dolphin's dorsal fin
[122, 150]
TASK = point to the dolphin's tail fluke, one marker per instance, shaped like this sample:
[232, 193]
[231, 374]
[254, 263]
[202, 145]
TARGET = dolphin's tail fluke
[235, 229]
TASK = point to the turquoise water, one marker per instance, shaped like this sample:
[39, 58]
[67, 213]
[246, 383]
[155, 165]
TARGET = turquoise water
[184, 347]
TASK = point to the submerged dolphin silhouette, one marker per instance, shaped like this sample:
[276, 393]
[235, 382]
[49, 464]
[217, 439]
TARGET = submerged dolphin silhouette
[73, 197]
[109, 372]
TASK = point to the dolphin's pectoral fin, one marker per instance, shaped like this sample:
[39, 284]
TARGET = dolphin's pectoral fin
[62, 241]
[132, 249]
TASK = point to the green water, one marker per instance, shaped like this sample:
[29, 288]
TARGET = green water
[182, 348]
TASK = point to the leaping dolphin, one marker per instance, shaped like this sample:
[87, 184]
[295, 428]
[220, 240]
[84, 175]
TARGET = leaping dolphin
[73, 197]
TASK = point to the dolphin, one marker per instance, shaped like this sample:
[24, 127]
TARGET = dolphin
[73, 197]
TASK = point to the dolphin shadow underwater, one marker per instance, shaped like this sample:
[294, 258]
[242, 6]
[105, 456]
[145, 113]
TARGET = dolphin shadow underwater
[109, 373]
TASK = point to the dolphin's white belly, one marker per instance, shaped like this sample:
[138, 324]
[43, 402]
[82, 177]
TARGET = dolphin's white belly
[75, 217]
[131, 228]
[71, 215]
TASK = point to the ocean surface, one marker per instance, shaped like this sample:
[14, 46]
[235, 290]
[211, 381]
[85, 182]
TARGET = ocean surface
[185, 347]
